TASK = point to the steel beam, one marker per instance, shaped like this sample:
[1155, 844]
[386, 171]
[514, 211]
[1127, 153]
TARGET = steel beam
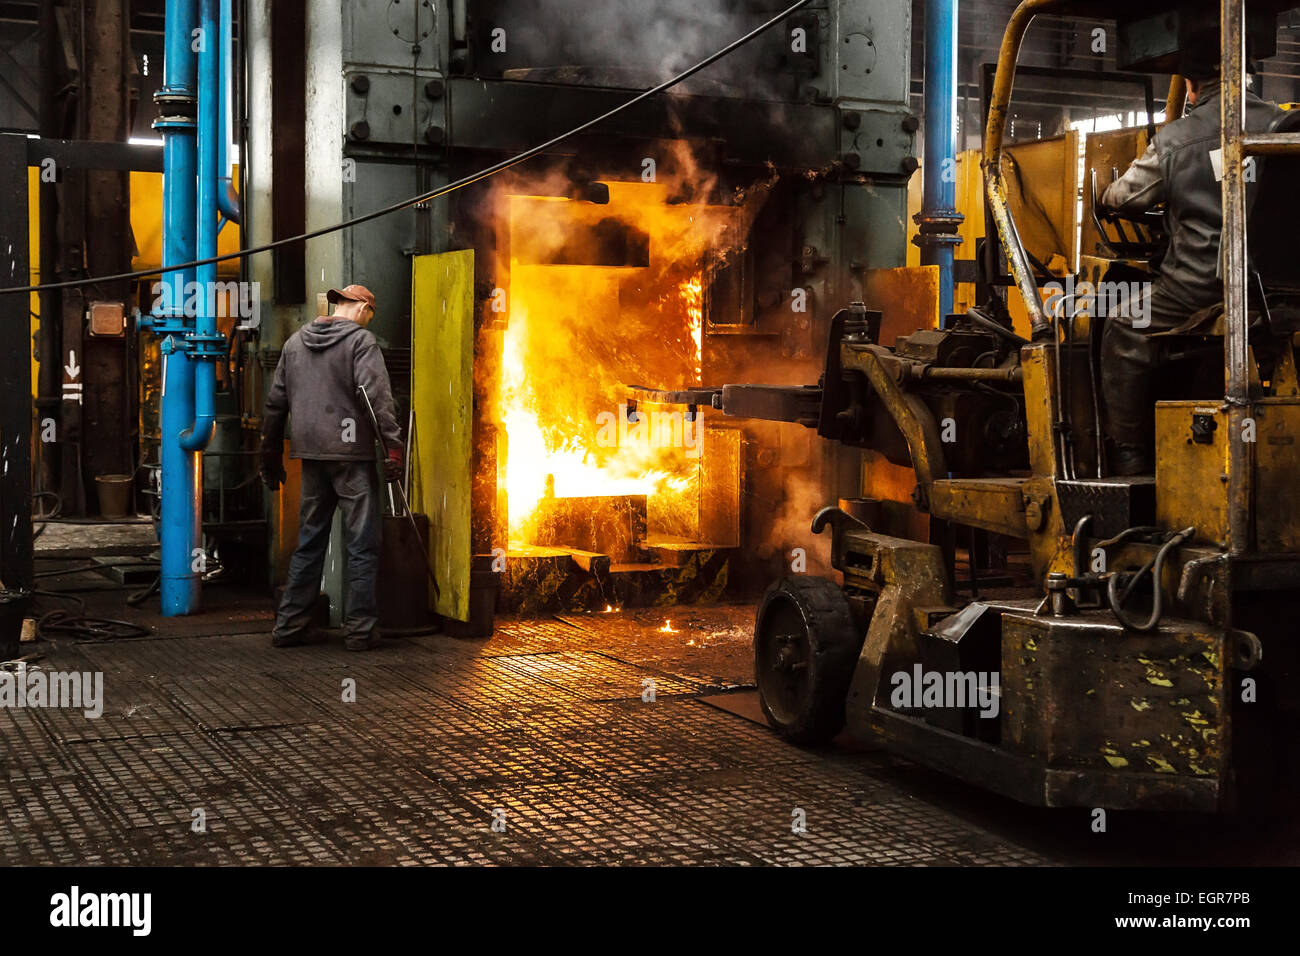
[1233, 243]
[15, 372]
[289, 148]
[87, 154]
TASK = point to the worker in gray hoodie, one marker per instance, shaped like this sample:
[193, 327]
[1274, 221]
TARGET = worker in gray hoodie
[316, 381]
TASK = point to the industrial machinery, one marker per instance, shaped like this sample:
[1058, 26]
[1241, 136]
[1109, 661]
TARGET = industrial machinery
[1143, 657]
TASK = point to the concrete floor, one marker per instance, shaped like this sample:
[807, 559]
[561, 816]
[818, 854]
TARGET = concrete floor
[541, 728]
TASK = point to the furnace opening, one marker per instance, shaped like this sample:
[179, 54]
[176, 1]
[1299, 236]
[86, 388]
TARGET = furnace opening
[599, 295]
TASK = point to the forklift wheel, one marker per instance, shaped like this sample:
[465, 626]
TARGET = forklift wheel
[805, 648]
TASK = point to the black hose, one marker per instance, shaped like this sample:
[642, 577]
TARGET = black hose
[1095, 387]
[39, 520]
[1157, 564]
[996, 327]
[63, 623]
[59, 623]
[1126, 534]
[138, 597]
[61, 596]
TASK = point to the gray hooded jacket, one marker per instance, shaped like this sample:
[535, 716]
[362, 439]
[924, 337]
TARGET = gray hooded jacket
[316, 383]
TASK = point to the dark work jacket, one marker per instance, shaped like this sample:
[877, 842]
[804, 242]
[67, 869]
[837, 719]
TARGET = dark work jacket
[1178, 169]
[316, 384]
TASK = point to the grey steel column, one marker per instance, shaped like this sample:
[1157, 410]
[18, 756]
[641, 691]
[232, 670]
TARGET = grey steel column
[15, 371]
[1232, 81]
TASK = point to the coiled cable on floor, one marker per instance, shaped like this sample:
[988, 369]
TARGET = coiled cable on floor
[63, 623]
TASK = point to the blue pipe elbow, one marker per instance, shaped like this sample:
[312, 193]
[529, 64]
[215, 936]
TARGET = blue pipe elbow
[198, 436]
[228, 200]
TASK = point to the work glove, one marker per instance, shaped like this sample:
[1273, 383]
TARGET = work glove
[272, 468]
[393, 464]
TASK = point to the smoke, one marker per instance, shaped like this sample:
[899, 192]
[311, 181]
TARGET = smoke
[637, 44]
[792, 528]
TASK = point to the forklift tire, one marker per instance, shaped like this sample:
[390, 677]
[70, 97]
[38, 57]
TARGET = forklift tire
[805, 649]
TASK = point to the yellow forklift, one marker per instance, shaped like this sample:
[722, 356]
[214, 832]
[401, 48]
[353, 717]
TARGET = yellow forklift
[1154, 659]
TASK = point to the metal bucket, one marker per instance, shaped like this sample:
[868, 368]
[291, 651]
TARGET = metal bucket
[114, 495]
[402, 591]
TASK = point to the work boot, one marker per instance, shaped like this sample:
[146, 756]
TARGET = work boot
[1129, 460]
[308, 635]
[367, 643]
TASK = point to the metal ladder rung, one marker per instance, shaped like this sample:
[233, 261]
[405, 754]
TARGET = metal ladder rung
[1269, 144]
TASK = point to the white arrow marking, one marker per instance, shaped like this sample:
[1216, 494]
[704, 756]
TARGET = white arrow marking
[72, 368]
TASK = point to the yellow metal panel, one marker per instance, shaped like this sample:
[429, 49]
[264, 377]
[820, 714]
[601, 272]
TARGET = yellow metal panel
[1045, 211]
[994, 504]
[1110, 154]
[1190, 490]
[1190, 487]
[1042, 191]
[1042, 185]
[442, 382]
[913, 230]
[970, 203]
[1277, 462]
[907, 297]
[146, 224]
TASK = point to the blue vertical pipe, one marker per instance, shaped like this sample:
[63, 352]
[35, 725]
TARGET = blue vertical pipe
[939, 219]
[227, 195]
[179, 586]
[196, 437]
[224, 130]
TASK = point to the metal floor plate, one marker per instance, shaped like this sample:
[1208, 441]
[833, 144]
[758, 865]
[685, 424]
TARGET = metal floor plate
[535, 747]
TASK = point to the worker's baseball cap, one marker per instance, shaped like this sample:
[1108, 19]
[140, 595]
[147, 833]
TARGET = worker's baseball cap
[351, 293]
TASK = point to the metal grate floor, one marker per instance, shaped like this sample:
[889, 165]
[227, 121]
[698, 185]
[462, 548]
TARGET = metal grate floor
[536, 747]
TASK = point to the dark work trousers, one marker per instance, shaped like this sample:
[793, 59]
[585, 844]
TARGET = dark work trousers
[352, 486]
[1130, 359]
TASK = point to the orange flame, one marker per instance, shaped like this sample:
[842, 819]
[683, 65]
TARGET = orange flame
[578, 333]
[692, 291]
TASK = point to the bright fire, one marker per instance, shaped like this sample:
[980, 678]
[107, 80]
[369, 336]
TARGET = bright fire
[693, 296]
[579, 332]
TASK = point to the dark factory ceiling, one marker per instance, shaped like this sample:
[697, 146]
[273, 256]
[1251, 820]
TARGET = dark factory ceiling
[146, 15]
[1052, 42]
